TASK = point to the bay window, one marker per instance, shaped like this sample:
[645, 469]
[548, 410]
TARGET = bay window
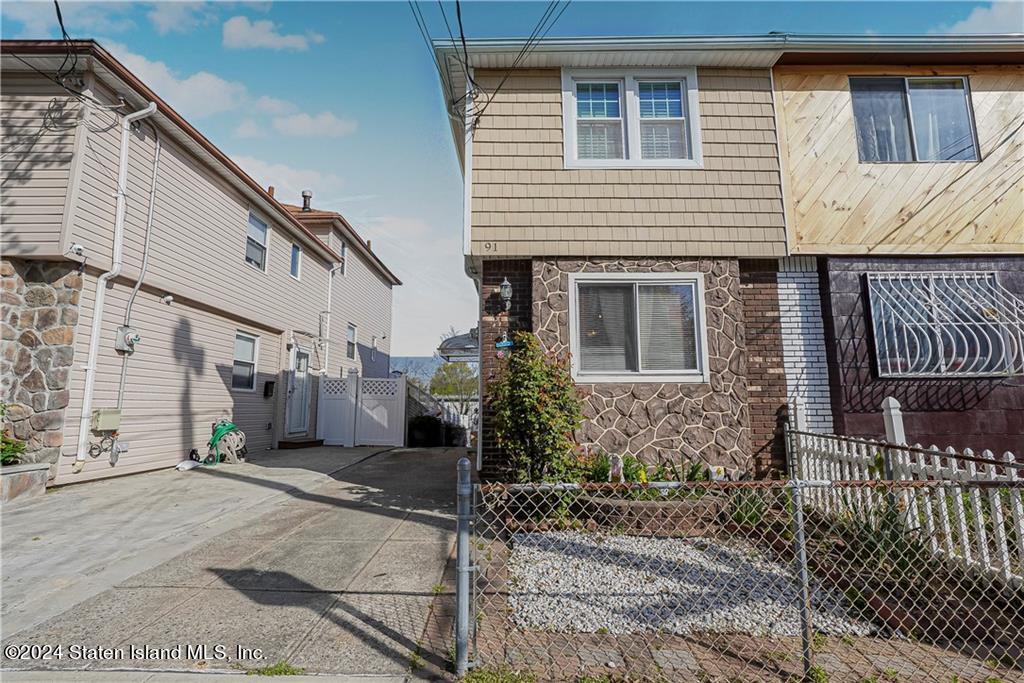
[623, 119]
[637, 327]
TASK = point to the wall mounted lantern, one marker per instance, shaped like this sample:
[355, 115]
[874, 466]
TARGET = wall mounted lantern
[506, 293]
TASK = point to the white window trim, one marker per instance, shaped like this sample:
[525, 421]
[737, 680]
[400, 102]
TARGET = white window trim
[910, 119]
[298, 266]
[699, 376]
[255, 361]
[630, 111]
[266, 245]
[355, 341]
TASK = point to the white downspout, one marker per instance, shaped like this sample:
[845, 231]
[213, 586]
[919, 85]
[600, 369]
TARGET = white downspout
[117, 262]
[327, 345]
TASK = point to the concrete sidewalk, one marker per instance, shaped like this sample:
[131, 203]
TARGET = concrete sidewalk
[79, 540]
[335, 578]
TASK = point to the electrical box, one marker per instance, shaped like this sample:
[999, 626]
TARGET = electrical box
[106, 420]
[126, 339]
[268, 388]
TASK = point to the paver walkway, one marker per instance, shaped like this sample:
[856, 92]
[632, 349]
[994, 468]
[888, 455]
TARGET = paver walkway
[334, 577]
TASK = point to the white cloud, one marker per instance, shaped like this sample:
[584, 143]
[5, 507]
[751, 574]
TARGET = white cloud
[248, 129]
[289, 182]
[81, 19]
[196, 95]
[997, 17]
[324, 124]
[180, 17]
[242, 34]
[273, 105]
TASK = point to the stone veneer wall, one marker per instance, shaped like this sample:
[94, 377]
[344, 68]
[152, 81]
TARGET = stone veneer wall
[708, 422]
[40, 311]
[766, 379]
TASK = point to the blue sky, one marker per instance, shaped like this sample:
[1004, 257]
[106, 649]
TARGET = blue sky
[342, 98]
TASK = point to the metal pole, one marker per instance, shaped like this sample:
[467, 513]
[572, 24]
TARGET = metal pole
[800, 546]
[464, 514]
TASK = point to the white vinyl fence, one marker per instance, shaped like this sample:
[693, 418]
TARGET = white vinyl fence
[972, 520]
[362, 411]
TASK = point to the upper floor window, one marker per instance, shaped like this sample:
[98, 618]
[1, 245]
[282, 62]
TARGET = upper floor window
[243, 371]
[913, 119]
[256, 243]
[625, 119]
[296, 264]
[629, 327]
[351, 338]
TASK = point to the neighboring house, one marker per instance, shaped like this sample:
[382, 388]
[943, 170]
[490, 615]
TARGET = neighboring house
[632, 194]
[146, 276]
[361, 296]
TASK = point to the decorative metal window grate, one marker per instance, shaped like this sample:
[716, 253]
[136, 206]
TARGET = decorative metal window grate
[945, 324]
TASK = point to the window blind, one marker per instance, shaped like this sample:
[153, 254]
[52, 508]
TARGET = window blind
[607, 328]
[667, 331]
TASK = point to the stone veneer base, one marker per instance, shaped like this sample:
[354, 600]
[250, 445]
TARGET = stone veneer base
[24, 481]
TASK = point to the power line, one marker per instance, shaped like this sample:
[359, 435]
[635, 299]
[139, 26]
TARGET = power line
[82, 97]
[70, 52]
[422, 25]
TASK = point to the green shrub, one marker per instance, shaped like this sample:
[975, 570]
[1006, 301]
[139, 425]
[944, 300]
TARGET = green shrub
[10, 448]
[536, 410]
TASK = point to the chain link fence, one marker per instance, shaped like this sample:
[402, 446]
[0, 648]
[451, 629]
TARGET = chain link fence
[739, 581]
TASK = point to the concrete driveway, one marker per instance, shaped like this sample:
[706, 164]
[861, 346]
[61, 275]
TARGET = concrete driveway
[333, 567]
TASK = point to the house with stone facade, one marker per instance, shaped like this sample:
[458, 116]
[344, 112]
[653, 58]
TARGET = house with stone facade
[697, 221]
[151, 287]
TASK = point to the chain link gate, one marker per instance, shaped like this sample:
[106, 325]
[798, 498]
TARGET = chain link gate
[734, 581]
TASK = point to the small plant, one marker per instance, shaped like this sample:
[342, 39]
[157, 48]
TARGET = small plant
[437, 589]
[746, 508]
[818, 641]
[281, 668]
[817, 674]
[633, 470]
[890, 674]
[10, 448]
[500, 675]
[536, 409]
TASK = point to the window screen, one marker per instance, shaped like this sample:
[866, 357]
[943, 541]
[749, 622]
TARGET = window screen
[350, 341]
[243, 372]
[296, 260]
[599, 121]
[256, 243]
[637, 327]
[662, 125]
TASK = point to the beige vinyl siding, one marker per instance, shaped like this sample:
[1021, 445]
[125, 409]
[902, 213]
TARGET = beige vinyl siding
[363, 297]
[524, 202]
[841, 206]
[39, 123]
[178, 382]
[199, 234]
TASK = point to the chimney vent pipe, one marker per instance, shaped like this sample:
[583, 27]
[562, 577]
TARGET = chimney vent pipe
[270, 190]
[307, 197]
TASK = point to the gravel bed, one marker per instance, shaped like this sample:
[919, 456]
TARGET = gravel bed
[572, 582]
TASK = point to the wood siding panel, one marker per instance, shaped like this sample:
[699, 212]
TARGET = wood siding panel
[838, 205]
[39, 123]
[526, 203]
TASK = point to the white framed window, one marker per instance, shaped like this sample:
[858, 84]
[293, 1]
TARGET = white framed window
[295, 269]
[631, 118]
[941, 324]
[637, 327]
[243, 371]
[256, 241]
[351, 340]
[344, 257]
[913, 119]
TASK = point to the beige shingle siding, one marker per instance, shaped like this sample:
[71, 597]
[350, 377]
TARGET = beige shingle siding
[39, 123]
[526, 203]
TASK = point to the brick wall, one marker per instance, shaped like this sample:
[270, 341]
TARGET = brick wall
[493, 321]
[803, 339]
[766, 380]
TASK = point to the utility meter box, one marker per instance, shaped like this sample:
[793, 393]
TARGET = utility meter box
[106, 420]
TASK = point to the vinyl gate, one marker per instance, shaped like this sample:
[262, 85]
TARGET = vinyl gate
[361, 411]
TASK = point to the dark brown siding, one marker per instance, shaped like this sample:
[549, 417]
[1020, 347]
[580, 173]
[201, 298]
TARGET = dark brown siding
[766, 378]
[493, 321]
[963, 413]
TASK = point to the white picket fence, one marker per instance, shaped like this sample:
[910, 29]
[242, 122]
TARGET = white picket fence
[978, 526]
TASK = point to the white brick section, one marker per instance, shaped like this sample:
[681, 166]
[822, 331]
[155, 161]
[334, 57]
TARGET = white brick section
[803, 340]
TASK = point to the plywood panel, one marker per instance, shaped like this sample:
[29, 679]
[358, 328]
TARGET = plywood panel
[836, 205]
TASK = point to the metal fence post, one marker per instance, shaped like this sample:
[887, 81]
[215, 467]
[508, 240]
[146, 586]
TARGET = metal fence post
[464, 512]
[800, 548]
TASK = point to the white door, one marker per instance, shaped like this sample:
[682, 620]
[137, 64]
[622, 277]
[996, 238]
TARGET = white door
[336, 415]
[298, 394]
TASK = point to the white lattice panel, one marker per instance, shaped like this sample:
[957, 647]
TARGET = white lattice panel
[380, 388]
[335, 387]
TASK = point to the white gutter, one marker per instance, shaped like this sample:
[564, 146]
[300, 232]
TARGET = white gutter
[117, 262]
